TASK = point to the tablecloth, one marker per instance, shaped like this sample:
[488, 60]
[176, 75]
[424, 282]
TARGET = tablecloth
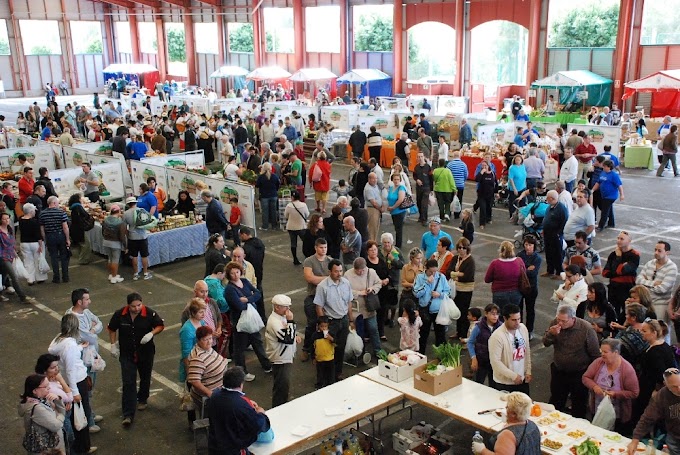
[560, 117]
[638, 156]
[164, 246]
[472, 161]
[387, 154]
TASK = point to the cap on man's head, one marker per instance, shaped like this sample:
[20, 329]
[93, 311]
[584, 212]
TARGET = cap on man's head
[281, 300]
[435, 220]
[131, 200]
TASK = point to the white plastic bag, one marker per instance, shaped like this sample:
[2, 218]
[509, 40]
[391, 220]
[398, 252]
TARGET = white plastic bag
[89, 354]
[98, 365]
[43, 265]
[605, 416]
[432, 200]
[355, 345]
[250, 321]
[455, 205]
[19, 268]
[79, 419]
[448, 312]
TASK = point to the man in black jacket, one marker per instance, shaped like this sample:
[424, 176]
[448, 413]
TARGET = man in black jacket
[45, 181]
[553, 230]
[357, 141]
[254, 249]
[215, 220]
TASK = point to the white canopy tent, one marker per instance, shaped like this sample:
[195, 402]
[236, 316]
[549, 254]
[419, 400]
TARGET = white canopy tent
[312, 74]
[224, 72]
[268, 73]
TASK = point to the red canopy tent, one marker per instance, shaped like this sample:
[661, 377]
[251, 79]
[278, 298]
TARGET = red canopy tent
[665, 89]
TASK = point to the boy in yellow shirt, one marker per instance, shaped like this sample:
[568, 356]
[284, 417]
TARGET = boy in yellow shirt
[324, 354]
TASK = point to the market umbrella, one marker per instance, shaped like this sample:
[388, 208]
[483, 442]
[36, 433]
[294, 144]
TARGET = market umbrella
[268, 73]
[224, 72]
[312, 74]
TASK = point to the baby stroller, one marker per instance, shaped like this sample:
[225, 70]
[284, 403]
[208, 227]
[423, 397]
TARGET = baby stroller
[502, 196]
[353, 353]
[531, 219]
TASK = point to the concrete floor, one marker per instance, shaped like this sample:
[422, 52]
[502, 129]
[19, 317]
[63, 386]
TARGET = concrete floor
[649, 213]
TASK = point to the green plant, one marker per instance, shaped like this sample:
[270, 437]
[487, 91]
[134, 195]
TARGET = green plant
[448, 354]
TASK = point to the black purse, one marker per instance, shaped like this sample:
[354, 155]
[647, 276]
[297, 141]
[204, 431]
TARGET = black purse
[37, 441]
[372, 300]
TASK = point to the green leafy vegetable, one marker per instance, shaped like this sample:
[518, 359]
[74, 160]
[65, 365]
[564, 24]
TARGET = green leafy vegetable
[448, 354]
[588, 447]
[382, 355]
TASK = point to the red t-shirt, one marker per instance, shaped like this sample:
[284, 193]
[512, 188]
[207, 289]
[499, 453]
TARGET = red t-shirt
[234, 215]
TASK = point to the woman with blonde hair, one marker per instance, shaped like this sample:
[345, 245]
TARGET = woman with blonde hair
[640, 294]
[268, 184]
[503, 274]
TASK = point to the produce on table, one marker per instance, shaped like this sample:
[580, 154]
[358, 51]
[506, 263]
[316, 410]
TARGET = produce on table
[402, 358]
[449, 358]
[588, 447]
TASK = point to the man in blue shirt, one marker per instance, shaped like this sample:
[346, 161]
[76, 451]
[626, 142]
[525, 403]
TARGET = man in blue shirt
[528, 131]
[147, 200]
[465, 134]
[424, 124]
[522, 116]
[609, 156]
[136, 149]
[459, 171]
[519, 140]
[426, 105]
[611, 188]
[289, 130]
[428, 243]
[46, 132]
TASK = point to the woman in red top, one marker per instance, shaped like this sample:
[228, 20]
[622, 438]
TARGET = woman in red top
[503, 274]
[321, 181]
[26, 184]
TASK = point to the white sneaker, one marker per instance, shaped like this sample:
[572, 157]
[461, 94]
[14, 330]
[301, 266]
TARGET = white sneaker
[110, 276]
[10, 290]
[135, 277]
[95, 429]
[118, 279]
[148, 276]
[112, 280]
[250, 377]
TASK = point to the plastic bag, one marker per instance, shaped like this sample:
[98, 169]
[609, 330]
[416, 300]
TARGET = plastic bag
[79, 419]
[250, 321]
[432, 200]
[186, 403]
[98, 364]
[456, 207]
[43, 265]
[19, 268]
[355, 345]
[266, 436]
[89, 354]
[448, 312]
[605, 416]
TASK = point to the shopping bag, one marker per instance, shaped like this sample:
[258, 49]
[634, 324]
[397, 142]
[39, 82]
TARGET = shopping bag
[250, 321]
[455, 205]
[355, 345]
[89, 354]
[79, 419]
[186, 403]
[98, 364]
[432, 200]
[413, 210]
[19, 268]
[448, 312]
[43, 265]
[605, 415]
[266, 436]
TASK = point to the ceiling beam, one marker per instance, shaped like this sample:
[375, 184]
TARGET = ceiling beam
[149, 3]
[121, 3]
[215, 3]
[181, 3]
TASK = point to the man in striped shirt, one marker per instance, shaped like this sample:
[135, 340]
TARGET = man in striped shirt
[54, 229]
[460, 175]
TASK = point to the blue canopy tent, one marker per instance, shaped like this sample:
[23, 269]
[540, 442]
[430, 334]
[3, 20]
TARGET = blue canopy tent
[143, 74]
[372, 82]
[569, 83]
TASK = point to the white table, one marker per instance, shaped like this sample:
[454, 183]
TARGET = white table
[356, 397]
[462, 403]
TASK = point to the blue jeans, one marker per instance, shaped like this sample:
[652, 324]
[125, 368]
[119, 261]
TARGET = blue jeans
[503, 298]
[269, 207]
[371, 331]
[569, 186]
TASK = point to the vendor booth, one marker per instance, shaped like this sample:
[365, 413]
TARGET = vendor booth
[570, 83]
[317, 78]
[665, 89]
[142, 74]
[234, 74]
[371, 82]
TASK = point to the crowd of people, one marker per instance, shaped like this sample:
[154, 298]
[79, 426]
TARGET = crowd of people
[608, 340]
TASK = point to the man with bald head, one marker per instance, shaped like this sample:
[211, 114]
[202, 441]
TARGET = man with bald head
[553, 230]
[351, 242]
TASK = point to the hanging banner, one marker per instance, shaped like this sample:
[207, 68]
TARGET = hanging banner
[95, 147]
[67, 181]
[18, 140]
[496, 132]
[601, 135]
[183, 160]
[140, 172]
[392, 103]
[385, 124]
[451, 105]
[114, 158]
[38, 156]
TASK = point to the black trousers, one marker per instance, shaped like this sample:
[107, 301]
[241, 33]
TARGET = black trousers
[553, 252]
[485, 213]
[566, 383]
[129, 370]
[530, 305]
[463, 299]
[310, 328]
[422, 201]
[325, 373]
[281, 387]
[523, 387]
[428, 322]
[339, 329]
[81, 444]
[459, 192]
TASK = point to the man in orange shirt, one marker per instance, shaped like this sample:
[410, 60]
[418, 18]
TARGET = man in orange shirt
[157, 191]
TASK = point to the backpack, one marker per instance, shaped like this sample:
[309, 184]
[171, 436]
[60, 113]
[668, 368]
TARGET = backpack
[86, 221]
[317, 174]
[144, 220]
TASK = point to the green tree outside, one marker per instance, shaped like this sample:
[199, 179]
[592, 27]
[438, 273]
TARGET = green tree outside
[593, 26]
[241, 39]
[374, 34]
[42, 50]
[4, 47]
[95, 47]
[176, 46]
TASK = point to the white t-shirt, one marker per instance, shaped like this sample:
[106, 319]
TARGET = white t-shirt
[443, 151]
[518, 344]
[230, 172]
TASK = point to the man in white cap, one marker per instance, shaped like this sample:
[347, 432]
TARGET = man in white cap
[280, 338]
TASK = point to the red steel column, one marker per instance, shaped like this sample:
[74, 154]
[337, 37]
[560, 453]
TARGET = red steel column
[108, 25]
[460, 34]
[299, 24]
[221, 48]
[344, 31]
[190, 45]
[162, 53]
[397, 46]
[534, 42]
[257, 35]
[134, 36]
[622, 48]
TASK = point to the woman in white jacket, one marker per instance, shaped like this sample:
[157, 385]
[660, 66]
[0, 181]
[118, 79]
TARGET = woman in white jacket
[574, 290]
[66, 346]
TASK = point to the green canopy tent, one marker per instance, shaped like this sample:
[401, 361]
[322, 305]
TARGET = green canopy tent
[569, 83]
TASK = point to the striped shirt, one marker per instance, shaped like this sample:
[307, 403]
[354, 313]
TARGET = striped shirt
[459, 171]
[52, 219]
[207, 367]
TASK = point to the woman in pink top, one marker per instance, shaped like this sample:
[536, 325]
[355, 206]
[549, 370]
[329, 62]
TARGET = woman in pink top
[48, 364]
[503, 274]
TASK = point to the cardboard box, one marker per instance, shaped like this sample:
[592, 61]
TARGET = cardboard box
[405, 440]
[440, 444]
[398, 373]
[434, 385]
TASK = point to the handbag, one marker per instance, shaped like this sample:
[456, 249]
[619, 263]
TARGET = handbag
[186, 403]
[524, 283]
[39, 441]
[407, 203]
[372, 300]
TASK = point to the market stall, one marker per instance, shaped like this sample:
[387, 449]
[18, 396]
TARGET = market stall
[665, 89]
[318, 78]
[638, 156]
[371, 82]
[142, 74]
[234, 74]
[570, 83]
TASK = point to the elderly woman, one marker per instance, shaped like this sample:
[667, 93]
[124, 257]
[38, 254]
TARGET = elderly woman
[633, 344]
[364, 281]
[461, 269]
[65, 345]
[408, 275]
[520, 436]
[395, 196]
[503, 274]
[517, 181]
[395, 261]
[320, 175]
[596, 310]
[7, 256]
[653, 362]
[640, 294]
[613, 376]
[215, 253]
[44, 411]
[574, 289]
[215, 282]
[32, 246]
[240, 294]
[114, 232]
[443, 254]
[206, 367]
[187, 334]
[268, 184]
